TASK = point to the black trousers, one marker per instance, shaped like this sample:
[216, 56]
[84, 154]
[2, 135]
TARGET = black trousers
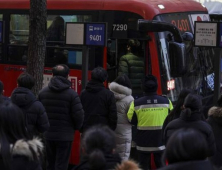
[58, 154]
[144, 159]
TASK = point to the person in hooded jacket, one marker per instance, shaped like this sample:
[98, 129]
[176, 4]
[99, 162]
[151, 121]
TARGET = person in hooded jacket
[191, 117]
[65, 113]
[18, 149]
[34, 112]
[187, 149]
[122, 89]
[98, 145]
[215, 121]
[98, 102]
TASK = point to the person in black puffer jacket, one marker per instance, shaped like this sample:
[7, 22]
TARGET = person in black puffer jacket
[98, 102]
[34, 112]
[187, 149]
[191, 117]
[65, 114]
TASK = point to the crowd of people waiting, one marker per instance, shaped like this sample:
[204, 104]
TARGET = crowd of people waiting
[38, 129]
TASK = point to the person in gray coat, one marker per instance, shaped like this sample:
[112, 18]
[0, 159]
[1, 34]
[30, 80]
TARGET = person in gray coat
[121, 87]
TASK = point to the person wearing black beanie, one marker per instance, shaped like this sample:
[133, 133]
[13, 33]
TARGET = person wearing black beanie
[148, 114]
[98, 102]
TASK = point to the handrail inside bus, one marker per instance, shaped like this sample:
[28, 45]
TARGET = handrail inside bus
[159, 26]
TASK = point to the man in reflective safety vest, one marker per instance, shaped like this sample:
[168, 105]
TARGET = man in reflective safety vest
[148, 114]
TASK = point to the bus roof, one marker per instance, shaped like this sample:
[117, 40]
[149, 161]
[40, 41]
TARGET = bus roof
[146, 8]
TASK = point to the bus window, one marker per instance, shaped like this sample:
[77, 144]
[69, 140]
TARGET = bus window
[57, 51]
[19, 29]
[18, 37]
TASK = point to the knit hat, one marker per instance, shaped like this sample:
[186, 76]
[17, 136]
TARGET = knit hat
[99, 74]
[149, 83]
[124, 81]
[193, 102]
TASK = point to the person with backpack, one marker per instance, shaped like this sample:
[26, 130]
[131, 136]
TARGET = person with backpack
[34, 112]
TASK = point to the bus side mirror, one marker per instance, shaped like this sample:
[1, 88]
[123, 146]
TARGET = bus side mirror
[177, 56]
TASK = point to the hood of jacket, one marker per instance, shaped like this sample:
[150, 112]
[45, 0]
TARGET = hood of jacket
[119, 91]
[215, 111]
[59, 83]
[22, 97]
[94, 86]
[33, 149]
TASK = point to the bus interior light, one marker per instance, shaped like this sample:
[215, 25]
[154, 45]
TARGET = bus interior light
[161, 6]
[171, 84]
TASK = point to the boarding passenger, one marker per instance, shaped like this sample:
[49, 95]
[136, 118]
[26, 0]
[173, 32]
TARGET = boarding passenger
[65, 113]
[132, 65]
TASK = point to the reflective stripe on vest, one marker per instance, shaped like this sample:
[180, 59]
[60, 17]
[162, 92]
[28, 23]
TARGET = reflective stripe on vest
[149, 127]
[152, 106]
[150, 149]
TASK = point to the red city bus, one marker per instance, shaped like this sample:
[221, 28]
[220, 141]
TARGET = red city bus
[172, 58]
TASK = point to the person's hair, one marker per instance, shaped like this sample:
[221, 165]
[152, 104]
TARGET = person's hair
[124, 81]
[1, 87]
[192, 104]
[26, 80]
[60, 70]
[134, 45]
[99, 74]
[12, 128]
[185, 144]
[98, 141]
[175, 113]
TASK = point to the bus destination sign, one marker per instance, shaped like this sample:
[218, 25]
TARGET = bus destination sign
[95, 34]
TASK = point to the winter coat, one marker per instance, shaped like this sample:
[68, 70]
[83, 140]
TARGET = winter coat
[133, 67]
[193, 121]
[111, 163]
[63, 107]
[123, 129]
[215, 121]
[99, 105]
[4, 98]
[26, 155]
[190, 165]
[34, 111]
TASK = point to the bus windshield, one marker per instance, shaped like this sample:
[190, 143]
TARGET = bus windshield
[199, 75]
